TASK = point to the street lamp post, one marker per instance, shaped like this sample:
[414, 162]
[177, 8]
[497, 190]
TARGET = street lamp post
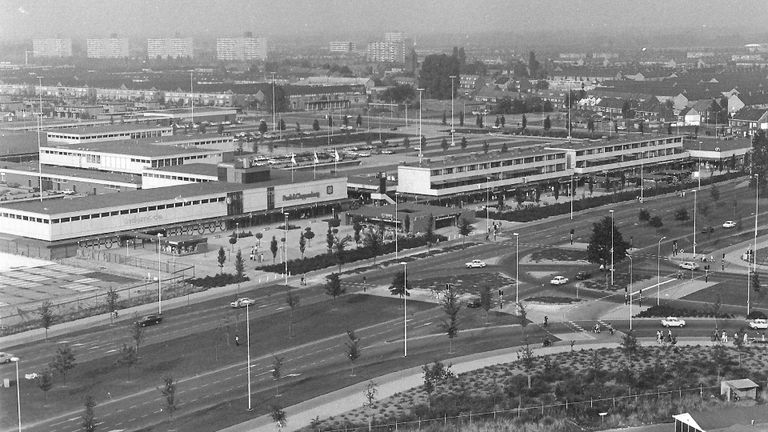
[658, 275]
[517, 268]
[285, 247]
[274, 125]
[405, 304]
[39, 127]
[754, 250]
[248, 339]
[611, 211]
[421, 155]
[630, 291]
[487, 210]
[452, 77]
[397, 223]
[18, 389]
[159, 278]
[570, 188]
[698, 167]
[695, 195]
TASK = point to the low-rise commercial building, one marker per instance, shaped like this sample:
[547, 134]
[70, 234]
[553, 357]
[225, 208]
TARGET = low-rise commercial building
[117, 132]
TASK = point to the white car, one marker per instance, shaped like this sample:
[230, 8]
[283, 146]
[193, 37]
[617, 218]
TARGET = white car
[673, 322]
[475, 264]
[729, 224]
[559, 280]
[689, 265]
[242, 302]
[5, 357]
[758, 324]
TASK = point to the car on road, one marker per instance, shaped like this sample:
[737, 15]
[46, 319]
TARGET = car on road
[474, 302]
[559, 280]
[689, 265]
[385, 151]
[32, 375]
[475, 264]
[5, 357]
[758, 324]
[729, 224]
[148, 320]
[242, 302]
[582, 275]
[673, 322]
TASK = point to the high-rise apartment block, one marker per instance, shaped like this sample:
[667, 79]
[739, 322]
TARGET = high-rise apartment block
[241, 48]
[395, 48]
[53, 47]
[342, 46]
[107, 48]
[169, 47]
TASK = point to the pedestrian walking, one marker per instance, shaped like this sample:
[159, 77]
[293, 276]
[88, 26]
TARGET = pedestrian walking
[658, 336]
[746, 340]
[237, 340]
[109, 395]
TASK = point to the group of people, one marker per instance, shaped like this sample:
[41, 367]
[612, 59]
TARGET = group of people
[665, 338]
[256, 255]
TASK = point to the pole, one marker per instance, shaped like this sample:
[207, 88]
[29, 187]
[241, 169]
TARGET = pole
[695, 195]
[517, 269]
[192, 97]
[572, 192]
[285, 247]
[273, 103]
[248, 338]
[397, 224]
[487, 214]
[159, 278]
[405, 304]
[421, 155]
[642, 188]
[754, 251]
[630, 291]
[698, 167]
[18, 389]
[39, 131]
[452, 78]
[658, 274]
[611, 246]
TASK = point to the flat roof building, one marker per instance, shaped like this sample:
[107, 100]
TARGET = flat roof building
[52, 47]
[107, 48]
[82, 135]
[243, 48]
[169, 48]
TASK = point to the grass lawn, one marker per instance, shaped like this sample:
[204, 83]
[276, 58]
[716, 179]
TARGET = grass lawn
[578, 377]
[466, 282]
[557, 254]
[731, 293]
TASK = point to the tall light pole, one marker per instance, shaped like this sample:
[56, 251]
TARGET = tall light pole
[658, 274]
[248, 339]
[571, 189]
[421, 155]
[405, 304]
[487, 210]
[18, 389]
[611, 211]
[698, 167]
[452, 77]
[274, 125]
[695, 195]
[754, 251]
[642, 185]
[39, 131]
[630, 291]
[159, 278]
[397, 223]
[517, 269]
[285, 246]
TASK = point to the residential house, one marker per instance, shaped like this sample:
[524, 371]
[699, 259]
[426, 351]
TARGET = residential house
[748, 100]
[469, 83]
[689, 117]
[610, 106]
[748, 121]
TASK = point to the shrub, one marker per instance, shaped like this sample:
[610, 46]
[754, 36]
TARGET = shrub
[644, 215]
[666, 310]
[218, 280]
[756, 314]
[656, 222]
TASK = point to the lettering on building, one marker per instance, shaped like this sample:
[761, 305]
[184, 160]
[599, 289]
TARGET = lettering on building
[301, 196]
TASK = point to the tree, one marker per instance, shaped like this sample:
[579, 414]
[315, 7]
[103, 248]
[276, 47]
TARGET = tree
[430, 233]
[406, 143]
[444, 144]
[591, 126]
[89, 417]
[309, 235]
[329, 239]
[333, 286]
[486, 146]
[759, 157]
[128, 355]
[547, 124]
[451, 307]
[112, 302]
[359, 120]
[755, 281]
[407, 223]
[714, 192]
[292, 300]
[522, 314]
[644, 215]
[278, 416]
[263, 128]
[503, 121]
[374, 242]
[315, 125]
[681, 214]
[423, 143]
[486, 301]
[302, 244]
[273, 248]
[63, 361]
[398, 286]
[220, 129]
[259, 236]
[656, 222]
[524, 122]
[504, 148]
[239, 265]
[435, 72]
[465, 229]
[137, 333]
[461, 118]
[370, 392]
[340, 249]
[45, 381]
[169, 393]
[330, 121]
[444, 119]
[436, 374]
[556, 190]
[463, 143]
[46, 316]
[222, 258]
[353, 349]
[357, 226]
[277, 370]
[599, 247]
[630, 344]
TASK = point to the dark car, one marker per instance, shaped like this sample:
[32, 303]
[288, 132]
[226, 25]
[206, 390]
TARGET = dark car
[474, 302]
[148, 320]
[582, 275]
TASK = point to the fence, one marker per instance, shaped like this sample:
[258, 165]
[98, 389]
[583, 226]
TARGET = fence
[170, 267]
[589, 413]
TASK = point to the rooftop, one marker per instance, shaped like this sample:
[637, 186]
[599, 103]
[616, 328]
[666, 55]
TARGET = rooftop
[610, 140]
[193, 168]
[91, 130]
[134, 148]
[32, 167]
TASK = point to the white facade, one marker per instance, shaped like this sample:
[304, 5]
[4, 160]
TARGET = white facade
[342, 46]
[169, 48]
[393, 49]
[241, 48]
[108, 48]
[107, 133]
[52, 47]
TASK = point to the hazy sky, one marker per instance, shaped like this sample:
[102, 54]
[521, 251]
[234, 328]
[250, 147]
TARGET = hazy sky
[23, 19]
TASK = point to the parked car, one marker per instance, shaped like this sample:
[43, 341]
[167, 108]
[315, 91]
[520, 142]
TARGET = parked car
[758, 324]
[5, 357]
[729, 224]
[148, 320]
[242, 302]
[387, 152]
[474, 302]
[689, 265]
[673, 322]
[475, 264]
[559, 280]
[582, 275]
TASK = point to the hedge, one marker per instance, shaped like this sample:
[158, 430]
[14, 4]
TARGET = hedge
[535, 213]
[307, 264]
[665, 311]
[218, 280]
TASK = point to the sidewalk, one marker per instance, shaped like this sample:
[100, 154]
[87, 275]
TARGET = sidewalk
[349, 398]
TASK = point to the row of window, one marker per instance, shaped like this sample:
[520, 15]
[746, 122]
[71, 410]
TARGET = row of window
[131, 135]
[114, 212]
[509, 175]
[497, 164]
[174, 177]
[628, 146]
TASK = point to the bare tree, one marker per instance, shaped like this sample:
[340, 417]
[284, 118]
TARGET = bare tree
[169, 393]
[292, 300]
[46, 316]
[353, 349]
[451, 306]
[277, 371]
[64, 360]
[278, 416]
[89, 417]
